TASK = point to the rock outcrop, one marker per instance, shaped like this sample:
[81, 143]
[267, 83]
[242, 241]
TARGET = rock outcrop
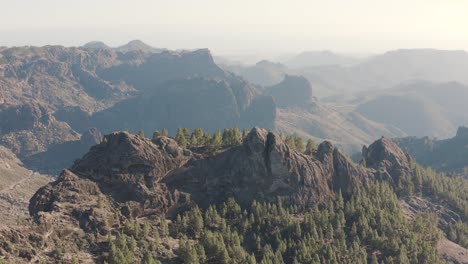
[387, 159]
[50, 95]
[155, 177]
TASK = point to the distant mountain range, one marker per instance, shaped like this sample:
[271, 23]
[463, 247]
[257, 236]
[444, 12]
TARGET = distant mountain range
[332, 74]
[52, 95]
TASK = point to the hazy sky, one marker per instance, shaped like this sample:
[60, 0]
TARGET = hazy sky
[231, 26]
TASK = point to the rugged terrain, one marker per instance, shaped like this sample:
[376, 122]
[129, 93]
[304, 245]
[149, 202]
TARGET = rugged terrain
[52, 95]
[446, 155]
[129, 177]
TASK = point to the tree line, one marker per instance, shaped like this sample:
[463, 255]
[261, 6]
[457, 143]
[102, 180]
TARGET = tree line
[228, 137]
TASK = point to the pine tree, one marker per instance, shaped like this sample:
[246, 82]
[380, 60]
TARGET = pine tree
[141, 133]
[164, 227]
[310, 147]
[180, 138]
[156, 134]
[217, 141]
[148, 258]
[299, 143]
[245, 133]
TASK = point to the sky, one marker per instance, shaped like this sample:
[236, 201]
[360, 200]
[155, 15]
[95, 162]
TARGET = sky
[240, 26]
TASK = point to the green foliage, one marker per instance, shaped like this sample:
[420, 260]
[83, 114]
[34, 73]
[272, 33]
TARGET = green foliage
[450, 191]
[148, 259]
[296, 143]
[162, 133]
[458, 232]
[232, 137]
[339, 232]
[141, 133]
[181, 138]
[217, 141]
[310, 147]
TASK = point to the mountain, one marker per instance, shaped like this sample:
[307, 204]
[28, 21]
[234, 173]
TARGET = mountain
[388, 70]
[292, 91]
[123, 189]
[96, 45]
[299, 112]
[264, 73]
[51, 95]
[432, 65]
[319, 58]
[438, 107]
[31, 128]
[446, 155]
[137, 45]
[185, 103]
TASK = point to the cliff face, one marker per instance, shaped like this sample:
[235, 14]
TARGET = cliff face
[145, 177]
[387, 159]
[50, 95]
[265, 168]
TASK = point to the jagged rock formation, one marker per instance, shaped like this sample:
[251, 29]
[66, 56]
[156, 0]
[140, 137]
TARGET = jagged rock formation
[265, 168]
[145, 177]
[131, 87]
[389, 161]
[127, 176]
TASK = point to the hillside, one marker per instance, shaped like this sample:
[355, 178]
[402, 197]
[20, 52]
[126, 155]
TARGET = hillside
[17, 186]
[50, 96]
[147, 200]
[447, 155]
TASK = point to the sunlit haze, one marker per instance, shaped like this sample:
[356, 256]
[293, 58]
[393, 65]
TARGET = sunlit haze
[242, 26]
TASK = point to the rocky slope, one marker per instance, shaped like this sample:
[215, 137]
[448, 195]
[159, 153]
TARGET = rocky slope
[50, 95]
[17, 186]
[127, 176]
[159, 176]
[446, 155]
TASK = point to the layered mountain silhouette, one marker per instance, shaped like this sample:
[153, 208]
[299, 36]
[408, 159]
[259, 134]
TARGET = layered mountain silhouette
[446, 155]
[65, 91]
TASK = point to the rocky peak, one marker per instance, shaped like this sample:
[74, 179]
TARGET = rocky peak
[158, 176]
[387, 158]
[255, 140]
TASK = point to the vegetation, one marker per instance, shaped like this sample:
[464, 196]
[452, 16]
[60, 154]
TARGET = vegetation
[451, 191]
[230, 137]
[368, 228]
